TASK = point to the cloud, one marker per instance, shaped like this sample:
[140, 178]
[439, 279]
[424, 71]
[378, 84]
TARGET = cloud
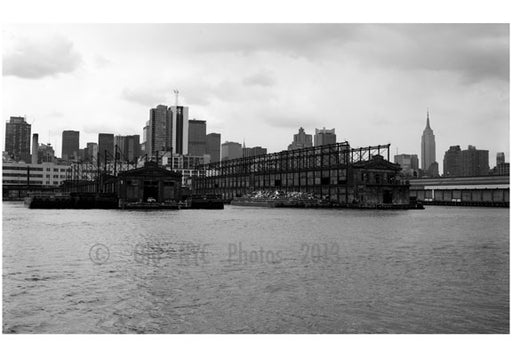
[95, 129]
[263, 79]
[101, 61]
[475, 52]
[290, 121]
[35, 58]
[147, 97]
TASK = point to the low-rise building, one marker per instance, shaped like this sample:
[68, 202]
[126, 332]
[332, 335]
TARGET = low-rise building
[46, 174]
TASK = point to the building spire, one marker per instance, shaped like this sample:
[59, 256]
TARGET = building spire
[428, 119]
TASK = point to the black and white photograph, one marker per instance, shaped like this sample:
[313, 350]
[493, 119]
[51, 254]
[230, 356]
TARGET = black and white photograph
[255, 178]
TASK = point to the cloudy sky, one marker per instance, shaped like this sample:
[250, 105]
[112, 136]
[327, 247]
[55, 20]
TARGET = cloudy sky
[373, 83]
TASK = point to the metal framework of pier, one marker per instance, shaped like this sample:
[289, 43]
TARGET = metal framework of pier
[94, 168]
[323, 170]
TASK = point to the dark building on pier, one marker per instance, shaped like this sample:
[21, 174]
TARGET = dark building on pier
[150, 181]
[137, 185]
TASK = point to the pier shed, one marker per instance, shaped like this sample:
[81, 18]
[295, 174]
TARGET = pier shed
[149, 182]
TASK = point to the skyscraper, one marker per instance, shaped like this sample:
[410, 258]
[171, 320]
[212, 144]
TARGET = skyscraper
[231, 150]
[92, 152]
[500, 158]
[452, 162]
[475, 162]
[128, 147]
[17, 139]
[409, 164]
[105, 147]
[324, 137]
[45, 153]
[196, 137]
[301, 140]
[158, 131]
[166, 130]
[213, 146]
[70, 145]
[180, 129]
[428, 146]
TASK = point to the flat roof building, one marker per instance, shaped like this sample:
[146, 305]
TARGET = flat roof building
[197, 137]
[325, 136]
[231, 150]
[213, 146]
[70, 145]
[17, 139]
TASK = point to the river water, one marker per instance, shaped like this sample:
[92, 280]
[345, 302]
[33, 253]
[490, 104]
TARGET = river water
[256, 270]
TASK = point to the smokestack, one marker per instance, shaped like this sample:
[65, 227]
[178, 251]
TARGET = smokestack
[35, 147]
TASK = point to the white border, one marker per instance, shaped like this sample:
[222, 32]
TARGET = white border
[94, 11]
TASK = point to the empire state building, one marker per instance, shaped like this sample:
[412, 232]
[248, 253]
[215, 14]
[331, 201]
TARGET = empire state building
[428, 146]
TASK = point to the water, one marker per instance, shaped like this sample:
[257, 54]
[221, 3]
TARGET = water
[441, 270]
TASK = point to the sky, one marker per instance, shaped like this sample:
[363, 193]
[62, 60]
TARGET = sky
[261, 82]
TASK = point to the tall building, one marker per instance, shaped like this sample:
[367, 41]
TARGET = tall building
[409, 164]
[132, 148]
[213, 146]
[428, 147]
[255, 151]
[70, 145]
[301, 140]
[231, 150]
[500, 158]
[324, 137]
[180, 129]
[157, 134]
[92, 152]
[166, 130]
[83, 155]
[105, 147]
[128, 147]
[17, 139]
[197, 137]
[475, 162]
[45, 153]
[502, 169]
[452, 162]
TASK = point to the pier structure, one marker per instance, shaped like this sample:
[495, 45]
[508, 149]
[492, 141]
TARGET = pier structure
[487, 191]
[337, 172]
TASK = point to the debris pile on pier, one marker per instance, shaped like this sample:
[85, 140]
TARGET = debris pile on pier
[281, 195]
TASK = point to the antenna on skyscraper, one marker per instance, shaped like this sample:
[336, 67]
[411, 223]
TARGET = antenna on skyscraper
[176, 93]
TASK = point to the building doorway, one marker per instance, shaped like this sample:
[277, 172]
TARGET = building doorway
[151, 190]
[387, 196]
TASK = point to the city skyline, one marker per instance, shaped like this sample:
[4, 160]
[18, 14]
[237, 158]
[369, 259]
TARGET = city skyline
[462, 82]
